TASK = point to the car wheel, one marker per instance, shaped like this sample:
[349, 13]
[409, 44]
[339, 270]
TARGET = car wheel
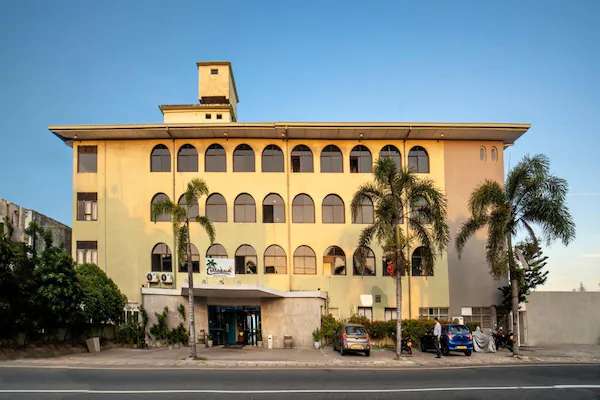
[468, 353]
[445, 350]
[368, 353]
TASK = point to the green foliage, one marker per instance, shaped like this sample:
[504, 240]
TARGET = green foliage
[103, 302]
[181, 311]
[329, 325]
[472, 325]
[316, 335]
[529, 278]
[160, 330]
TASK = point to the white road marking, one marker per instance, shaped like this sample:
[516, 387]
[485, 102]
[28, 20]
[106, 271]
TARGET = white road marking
[300, 391]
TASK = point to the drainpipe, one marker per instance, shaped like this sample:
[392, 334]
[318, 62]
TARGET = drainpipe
[288, 219]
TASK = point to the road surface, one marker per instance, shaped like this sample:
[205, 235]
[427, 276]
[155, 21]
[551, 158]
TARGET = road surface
[501, 382]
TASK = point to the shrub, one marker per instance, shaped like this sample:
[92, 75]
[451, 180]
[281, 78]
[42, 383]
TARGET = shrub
[103, 302]
[134, 332]
[316, 335]
[472, 325]
[329, 325]
[160, 330]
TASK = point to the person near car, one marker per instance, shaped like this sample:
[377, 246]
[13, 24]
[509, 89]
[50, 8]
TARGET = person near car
[437, 334]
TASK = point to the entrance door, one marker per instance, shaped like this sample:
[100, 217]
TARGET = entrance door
[230, 328]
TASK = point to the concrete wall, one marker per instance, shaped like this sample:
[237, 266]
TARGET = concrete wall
[563, 317]
[470, 282]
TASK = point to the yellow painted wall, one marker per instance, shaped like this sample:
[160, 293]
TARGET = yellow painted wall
[126, 235]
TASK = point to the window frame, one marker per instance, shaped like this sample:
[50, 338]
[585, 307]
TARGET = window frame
[302, 207]
[277, 209]
[328, 160]
[160, 159]
[390, 149]
[208, 207]
[195, 261]
[330, 212]
[236, 216]
[216, 246]
[422, 160]
[422, 271]
[245, 270]
[191, 158]
[215, 158]
[276, 157]
[359, 217]
[240, 159]
[163, 217]
[358, 156]
[329, 258]
[304, 268]
[370, 255]
[192, 211]
[83, 160]
[279, 266]
[85, 201]
[302, 159]
[366, 312]
[163, 257]
[86, 251]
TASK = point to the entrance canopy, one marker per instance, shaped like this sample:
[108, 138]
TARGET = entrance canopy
[247, 292]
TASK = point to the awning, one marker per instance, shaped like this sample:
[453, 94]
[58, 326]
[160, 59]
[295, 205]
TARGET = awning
[236, 291]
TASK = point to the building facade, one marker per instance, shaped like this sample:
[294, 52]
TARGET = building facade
[14, 220]
[280, 196]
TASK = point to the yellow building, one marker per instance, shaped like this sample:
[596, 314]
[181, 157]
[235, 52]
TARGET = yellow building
[280, 202]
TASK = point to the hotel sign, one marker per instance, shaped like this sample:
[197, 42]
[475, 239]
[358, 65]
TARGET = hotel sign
[220, 267]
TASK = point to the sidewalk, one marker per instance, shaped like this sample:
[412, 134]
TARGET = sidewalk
[295, 358]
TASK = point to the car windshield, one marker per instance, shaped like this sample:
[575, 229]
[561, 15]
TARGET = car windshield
[356, 330]
[458, 329]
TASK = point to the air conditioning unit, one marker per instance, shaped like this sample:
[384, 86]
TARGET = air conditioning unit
[166, 277]
[153, 277]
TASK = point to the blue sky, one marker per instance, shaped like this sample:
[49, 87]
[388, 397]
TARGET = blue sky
[510, 61]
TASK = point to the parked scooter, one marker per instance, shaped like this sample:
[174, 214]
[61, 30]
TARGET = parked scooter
[406, 346]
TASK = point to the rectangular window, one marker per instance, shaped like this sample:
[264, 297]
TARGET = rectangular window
[214, 71]
[87, 206]
[366, 312]
[481, 316]
[87, 252]
[432, 312]
[87, 158]
[208, 116]
[390, 314]
[219, 116]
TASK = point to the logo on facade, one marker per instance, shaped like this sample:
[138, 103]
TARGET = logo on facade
[220, 267]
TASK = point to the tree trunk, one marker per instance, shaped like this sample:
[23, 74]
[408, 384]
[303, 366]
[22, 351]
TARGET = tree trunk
[192, 325]
[514, 286]
[398, 307]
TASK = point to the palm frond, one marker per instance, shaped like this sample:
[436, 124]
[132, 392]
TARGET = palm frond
[208, 227]
[163, 207]
[488, 195]
[468, 229]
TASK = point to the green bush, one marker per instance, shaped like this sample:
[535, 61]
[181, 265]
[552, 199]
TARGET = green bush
[134, 332]
[103, 302]
[472, 325]
[316, 335]
[329, 325]
[160, 330]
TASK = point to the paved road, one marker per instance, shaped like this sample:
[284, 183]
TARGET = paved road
[522, 382]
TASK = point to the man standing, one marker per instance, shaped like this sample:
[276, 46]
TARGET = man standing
[437, 334]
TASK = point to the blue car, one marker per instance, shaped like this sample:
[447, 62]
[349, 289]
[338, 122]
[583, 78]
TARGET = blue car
[455, 337]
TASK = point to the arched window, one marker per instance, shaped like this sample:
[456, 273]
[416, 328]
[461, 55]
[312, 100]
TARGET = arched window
[360, 160]
[303, 209]
[333, 210]
[273, 209]
[305, 261]
[161, 258]
[272, 159]
[364, 213]
[418, 160]
[244, 208]
[482, 154]
[159, 198]
[336, 258]
[363, 262]
[494, 154]
[275, 260]
[216, 208]
[243, 159]
[160, 159]
[193, 210]
[187, 159]
[302, 159]
[419, 263]
[390, 151]
[216, 250]
[331, 159]
[215, 159]
[245, 260]
[195, 260]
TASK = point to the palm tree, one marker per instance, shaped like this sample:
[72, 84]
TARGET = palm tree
[180, 217]
[407, 211]
[530, 197]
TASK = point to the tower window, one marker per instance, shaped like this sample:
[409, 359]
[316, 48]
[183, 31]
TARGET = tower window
[214, 71]
[208, 116]
[219, 116]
